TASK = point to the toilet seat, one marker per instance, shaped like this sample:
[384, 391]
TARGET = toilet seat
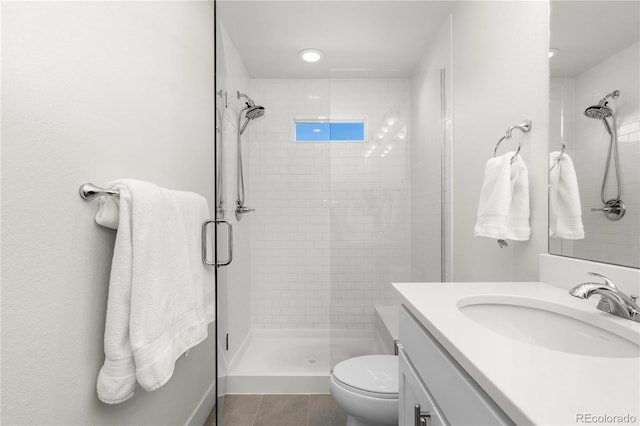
[374, 376]
[361, 392]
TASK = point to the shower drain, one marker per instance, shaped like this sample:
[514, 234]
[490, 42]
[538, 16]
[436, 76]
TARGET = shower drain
[311, 361]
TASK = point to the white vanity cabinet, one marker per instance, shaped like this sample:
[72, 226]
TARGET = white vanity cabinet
[416, 403]
[432, 379]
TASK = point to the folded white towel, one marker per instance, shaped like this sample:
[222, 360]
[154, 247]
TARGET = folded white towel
[503, 211]
[565, 210]
[161, 297]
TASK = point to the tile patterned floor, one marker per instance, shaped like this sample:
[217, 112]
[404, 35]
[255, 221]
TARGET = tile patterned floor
[280, 410]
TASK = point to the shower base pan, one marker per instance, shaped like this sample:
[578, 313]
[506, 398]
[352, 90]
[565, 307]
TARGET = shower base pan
[295, 361]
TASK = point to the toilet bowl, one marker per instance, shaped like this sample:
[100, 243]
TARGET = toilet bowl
[366, 387]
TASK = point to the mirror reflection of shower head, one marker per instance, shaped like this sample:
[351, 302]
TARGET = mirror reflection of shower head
[602, 110]
[613, 208]
[598, 111]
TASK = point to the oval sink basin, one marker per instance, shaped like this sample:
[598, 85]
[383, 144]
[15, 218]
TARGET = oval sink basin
[552, 326]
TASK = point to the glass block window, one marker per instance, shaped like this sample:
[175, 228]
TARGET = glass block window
[329, 131]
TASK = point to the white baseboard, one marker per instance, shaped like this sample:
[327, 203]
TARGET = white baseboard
[278, 384]
[205, 406]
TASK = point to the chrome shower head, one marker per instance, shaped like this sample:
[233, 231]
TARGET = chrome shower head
[602, 111]
[598, 112]
[252, 112]
[255, 111]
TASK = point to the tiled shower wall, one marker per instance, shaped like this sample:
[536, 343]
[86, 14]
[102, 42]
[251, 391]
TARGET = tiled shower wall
[330, 230]
[290, 189]
[370, 217]
[607, 241]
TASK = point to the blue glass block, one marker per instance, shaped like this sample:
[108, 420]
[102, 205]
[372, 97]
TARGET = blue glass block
[347, 131]
[312, 132]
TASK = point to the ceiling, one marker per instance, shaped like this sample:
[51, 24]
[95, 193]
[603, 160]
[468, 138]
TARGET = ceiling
[358, 38]
[587, 32]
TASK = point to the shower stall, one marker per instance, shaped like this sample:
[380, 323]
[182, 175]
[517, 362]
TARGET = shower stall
[334, 219]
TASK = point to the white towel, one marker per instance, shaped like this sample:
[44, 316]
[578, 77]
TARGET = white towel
[161, 297]
[565, 210]
[503, 211]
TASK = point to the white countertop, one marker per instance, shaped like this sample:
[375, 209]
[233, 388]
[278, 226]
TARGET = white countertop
[532, 384]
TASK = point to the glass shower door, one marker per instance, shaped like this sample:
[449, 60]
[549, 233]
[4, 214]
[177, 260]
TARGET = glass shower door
[386, 206]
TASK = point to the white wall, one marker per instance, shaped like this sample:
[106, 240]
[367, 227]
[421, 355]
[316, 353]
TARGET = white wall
[431, 140]
[92, 91]
[500, 77]
[605, 240]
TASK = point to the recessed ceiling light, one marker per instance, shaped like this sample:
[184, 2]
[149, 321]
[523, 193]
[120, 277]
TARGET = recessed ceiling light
[552, 52]
[310, 55]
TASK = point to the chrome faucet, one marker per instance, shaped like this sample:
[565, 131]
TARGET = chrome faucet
[612, 299]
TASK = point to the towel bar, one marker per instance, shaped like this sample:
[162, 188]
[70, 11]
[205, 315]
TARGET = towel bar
[89, 191]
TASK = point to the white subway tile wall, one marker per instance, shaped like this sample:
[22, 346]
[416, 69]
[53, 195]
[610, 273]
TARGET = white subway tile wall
[330, 230]
[607, 241]
[370, 217]
[290, 190]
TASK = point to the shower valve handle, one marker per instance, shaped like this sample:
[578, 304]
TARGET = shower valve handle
[605, 209]
[613, 209]
[241, 210]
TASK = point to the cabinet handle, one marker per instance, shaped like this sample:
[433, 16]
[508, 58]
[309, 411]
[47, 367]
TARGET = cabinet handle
[421, 418]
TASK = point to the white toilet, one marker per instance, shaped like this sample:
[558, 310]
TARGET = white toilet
[366, 387]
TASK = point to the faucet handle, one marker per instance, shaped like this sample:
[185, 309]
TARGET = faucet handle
[606, 280]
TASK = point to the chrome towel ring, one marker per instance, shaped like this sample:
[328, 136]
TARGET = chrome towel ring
[524, 126]
[557, 162]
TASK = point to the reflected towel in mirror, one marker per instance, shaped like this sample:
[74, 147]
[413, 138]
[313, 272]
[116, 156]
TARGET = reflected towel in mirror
[565, 210]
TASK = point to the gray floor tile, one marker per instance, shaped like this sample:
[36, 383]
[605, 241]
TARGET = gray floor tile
[241, 404]
[283, 410]
[211, 420]
[324, 411]
[238, 420]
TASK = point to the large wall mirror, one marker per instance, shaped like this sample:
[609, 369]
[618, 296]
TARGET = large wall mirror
[595, 121]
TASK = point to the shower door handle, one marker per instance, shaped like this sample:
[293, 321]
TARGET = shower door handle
[205, 256]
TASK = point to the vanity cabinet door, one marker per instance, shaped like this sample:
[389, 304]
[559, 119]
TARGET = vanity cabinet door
[413, 392]
[460, 398]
